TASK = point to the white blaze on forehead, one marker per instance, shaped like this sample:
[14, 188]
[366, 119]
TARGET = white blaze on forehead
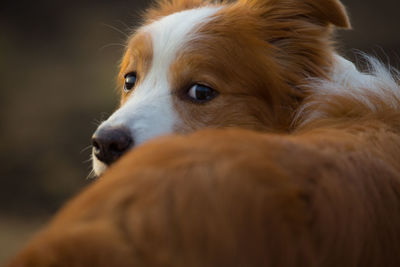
[149, 111]
[171, 33]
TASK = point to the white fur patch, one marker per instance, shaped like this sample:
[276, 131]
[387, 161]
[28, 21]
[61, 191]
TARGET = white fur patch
[98, 166]
[380, 83]
[149, 111]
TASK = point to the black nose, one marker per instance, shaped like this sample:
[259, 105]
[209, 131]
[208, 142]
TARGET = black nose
[110, 143]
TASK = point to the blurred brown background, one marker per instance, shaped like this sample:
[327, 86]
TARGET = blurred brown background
[58, 60]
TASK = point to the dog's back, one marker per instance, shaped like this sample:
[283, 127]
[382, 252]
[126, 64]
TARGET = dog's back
[327, 197]
[325, 193]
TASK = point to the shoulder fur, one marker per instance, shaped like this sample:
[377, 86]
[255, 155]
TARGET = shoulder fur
[350, 93]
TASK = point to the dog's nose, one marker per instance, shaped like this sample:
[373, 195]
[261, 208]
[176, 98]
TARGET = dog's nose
[110, 143]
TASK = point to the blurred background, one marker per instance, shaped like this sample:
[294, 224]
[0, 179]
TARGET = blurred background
[58, 61]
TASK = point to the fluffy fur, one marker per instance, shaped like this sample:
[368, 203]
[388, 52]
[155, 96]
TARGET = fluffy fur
[327, 197]
[319, 187]
[258, 55]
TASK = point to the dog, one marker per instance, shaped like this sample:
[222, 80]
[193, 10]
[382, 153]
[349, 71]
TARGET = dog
[328, 196]
[303, 170]
[196, 64]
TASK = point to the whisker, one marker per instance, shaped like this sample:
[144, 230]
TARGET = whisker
[91, 175]
[86, 148]
[123, 24]
[103, 115]
[115, 29]
[110, 45]
[96, 122]
[87, 161]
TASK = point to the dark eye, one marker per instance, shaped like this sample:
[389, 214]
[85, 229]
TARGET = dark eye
[130, 81]
[201, 93]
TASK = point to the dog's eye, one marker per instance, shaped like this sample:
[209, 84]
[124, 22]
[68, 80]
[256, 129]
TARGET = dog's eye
[201, 93]
[130, 81]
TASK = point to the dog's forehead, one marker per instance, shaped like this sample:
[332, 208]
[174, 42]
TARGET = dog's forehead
[170, 33]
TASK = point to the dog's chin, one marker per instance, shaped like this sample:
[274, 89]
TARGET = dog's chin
[98, 167]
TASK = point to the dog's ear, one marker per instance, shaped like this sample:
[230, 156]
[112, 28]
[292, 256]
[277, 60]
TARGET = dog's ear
[327, 11]
[321, 12]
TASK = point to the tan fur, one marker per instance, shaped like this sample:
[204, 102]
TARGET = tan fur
[327, 194]
[261, 52]
[326, 197]
[137, 58]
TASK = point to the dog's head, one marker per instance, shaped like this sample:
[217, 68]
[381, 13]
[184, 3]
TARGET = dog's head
[195, 64]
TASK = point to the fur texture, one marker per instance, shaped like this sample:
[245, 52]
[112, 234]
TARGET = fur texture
[326, 197]
[257, 54]
[319, 187]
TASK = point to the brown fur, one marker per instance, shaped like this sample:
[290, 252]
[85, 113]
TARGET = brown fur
[326, 197]
[261, 52]
[137, 58]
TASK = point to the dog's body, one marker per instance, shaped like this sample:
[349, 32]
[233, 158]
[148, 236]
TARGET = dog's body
[326, 197]
[320, 186]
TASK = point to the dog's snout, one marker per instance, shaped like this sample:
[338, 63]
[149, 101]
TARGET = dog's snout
[111, 143]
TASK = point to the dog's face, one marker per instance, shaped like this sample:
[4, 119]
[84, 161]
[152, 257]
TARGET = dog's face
[194, 65]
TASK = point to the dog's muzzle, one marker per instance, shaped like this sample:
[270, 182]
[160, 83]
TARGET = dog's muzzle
[110, 143]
